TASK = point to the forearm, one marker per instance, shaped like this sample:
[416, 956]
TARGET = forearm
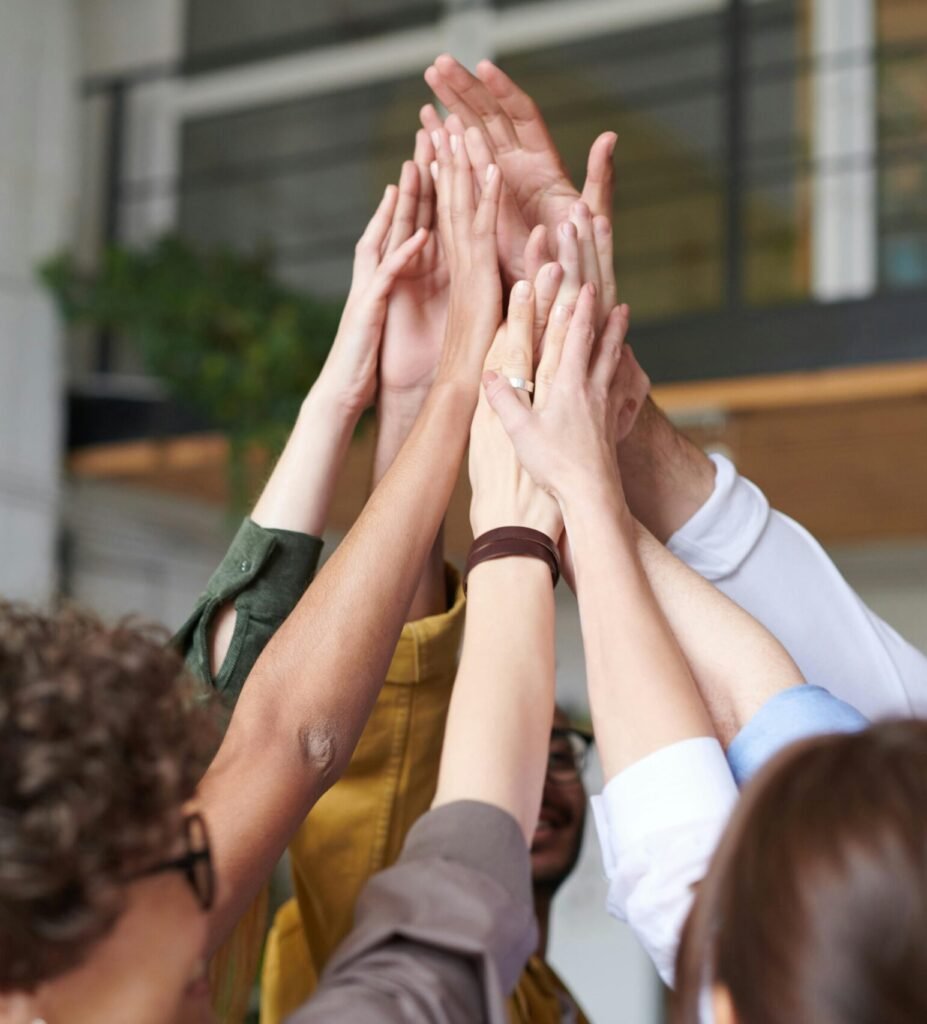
[666, 478]
[310, 693]
[774, 569]
[738, 665]
[396, 414]
[641, 691]
[298, 494]
[498, 730]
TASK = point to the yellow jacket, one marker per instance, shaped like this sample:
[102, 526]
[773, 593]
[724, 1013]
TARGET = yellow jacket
[359, 826]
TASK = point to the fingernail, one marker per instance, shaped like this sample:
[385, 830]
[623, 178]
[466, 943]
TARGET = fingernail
[490, 173]
[522, 291]
[488, 377]
[592, 288]
[561, 313]
[433, 167]
[454, 143]
[568, 229]
[436, 140]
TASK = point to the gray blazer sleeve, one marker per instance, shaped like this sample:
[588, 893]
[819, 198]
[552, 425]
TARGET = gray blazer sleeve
[443, 935]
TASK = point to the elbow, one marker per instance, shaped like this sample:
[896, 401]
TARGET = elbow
[321, 753]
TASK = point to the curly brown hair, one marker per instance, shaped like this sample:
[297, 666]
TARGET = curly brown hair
[103, 737]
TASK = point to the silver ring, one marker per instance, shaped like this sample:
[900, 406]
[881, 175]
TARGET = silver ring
[520, 384]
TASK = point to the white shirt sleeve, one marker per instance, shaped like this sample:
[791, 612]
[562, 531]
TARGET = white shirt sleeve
[658, 823]
[772, 567]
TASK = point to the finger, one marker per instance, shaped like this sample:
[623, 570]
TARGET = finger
[455, 125]
[588, 259]
[444, 188]
[480, 101]
[395, 262]
[607, 351]
[630, 388]
[580, 338]
[551, 352]
[370, 244]
[517, 355]
[451, 100]
[605, 254]
[424, 157]
[462, 201]
[546, 286]
[458, 134]
[598, 191]
[487, 214]
[568, 258]
[430, 118]
[424, 152]
[505, 403]
[406, 208]
[522, 111]
[536, 251]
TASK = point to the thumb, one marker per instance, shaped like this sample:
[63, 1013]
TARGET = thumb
[505, 403]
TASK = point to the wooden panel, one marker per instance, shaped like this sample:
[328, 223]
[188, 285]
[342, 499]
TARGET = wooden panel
[841, 451]
[847, 472]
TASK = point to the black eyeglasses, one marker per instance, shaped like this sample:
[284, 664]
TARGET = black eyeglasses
[566, 759]
[195, 864]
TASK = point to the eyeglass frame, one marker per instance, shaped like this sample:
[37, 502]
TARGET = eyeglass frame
[187, 863]
[579, 756]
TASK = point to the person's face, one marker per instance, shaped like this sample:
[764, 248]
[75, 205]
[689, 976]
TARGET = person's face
[559, 833]
[150, 969]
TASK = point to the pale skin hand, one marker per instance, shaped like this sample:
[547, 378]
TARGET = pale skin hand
[666, 478]
[412, 337]
[567, 445]
[519, 141]
[299, 492]
[736, 663]
[498, 730]
[308, 698]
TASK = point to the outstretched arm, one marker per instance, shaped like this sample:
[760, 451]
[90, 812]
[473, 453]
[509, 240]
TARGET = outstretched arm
[451, 924]
[306, 701]
[722, 526]
[296, 499]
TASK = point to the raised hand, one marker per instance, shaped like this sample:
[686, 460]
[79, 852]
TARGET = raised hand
[567, 439]
[350, 371]
[417, 309]
[503, 492]
[467, 226]
[516, 135]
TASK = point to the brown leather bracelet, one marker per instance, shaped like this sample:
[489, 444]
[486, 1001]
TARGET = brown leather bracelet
[513, 541]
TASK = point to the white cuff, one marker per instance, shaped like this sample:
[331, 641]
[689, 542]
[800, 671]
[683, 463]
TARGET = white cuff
[717, 539]
[659, 822]
[669, 789]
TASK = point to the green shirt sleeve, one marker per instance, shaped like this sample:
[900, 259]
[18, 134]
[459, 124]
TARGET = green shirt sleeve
[265, 572]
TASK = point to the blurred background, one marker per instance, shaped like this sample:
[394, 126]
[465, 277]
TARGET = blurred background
[181, 186]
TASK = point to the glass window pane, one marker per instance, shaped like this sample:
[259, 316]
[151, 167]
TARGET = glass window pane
[660, 89]
[229, 31]
[903, 142]
[300, 179]
[777, 193]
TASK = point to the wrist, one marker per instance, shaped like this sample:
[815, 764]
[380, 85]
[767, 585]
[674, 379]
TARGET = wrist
[666, 477]
[591, 495]
[324, 408]
[335, 398]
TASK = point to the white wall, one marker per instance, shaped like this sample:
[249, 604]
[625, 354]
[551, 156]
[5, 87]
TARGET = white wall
[38, 61]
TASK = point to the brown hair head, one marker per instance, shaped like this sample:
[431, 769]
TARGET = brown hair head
[101, 742]
[814, 910]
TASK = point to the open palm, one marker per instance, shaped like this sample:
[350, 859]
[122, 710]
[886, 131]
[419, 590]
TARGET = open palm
[417, 313]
